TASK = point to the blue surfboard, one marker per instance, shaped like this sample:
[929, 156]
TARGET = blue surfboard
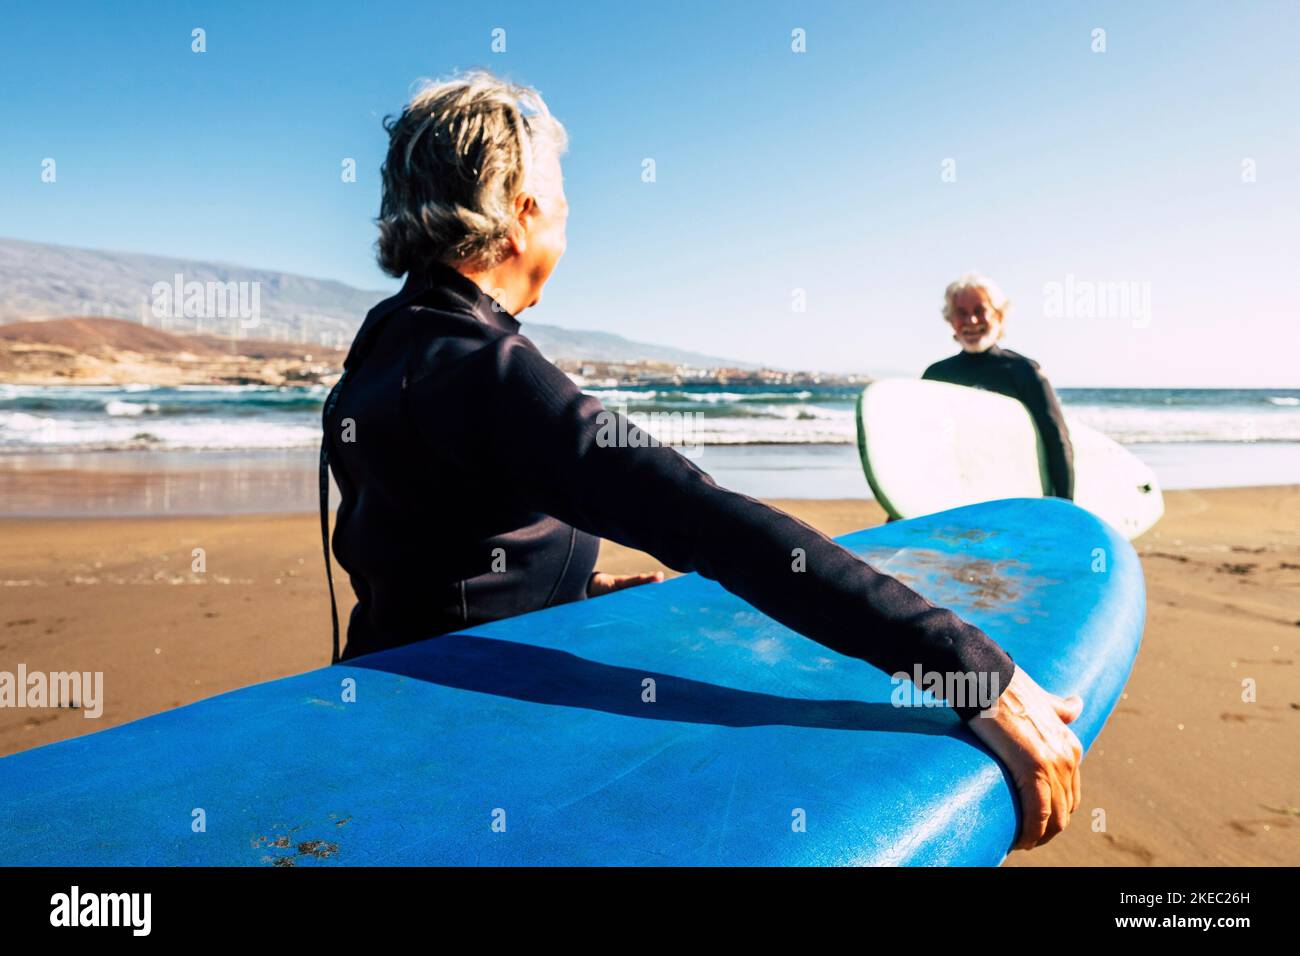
[667, 724]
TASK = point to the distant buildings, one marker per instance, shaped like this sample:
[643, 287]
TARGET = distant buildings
[590, 374]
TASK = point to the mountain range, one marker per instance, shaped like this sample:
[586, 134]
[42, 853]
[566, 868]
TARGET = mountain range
[39, 280]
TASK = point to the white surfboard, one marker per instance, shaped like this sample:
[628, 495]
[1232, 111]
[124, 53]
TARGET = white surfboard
[929, 446]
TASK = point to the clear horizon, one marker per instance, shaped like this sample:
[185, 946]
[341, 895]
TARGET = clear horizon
[1155, 171]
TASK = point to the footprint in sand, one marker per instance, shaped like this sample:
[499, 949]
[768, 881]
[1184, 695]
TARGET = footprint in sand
[1132, 848]
[1232, 718]
[1255, 827]
[37, 721]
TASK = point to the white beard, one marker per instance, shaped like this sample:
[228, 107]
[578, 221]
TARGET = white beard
[983, 344]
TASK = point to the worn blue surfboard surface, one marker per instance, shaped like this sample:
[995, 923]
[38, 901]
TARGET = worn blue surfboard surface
[531, 741]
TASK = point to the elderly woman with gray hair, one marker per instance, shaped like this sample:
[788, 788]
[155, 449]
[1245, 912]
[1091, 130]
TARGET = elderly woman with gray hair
[475, 482]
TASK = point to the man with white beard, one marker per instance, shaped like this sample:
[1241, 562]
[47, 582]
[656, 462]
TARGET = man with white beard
[977, 309]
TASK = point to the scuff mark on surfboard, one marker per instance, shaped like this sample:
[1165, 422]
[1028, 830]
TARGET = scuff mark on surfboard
[953, 533]
[315, 849]
[985, 584]
[990, 581]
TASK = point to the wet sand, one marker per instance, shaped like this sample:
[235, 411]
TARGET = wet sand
[1185, 771]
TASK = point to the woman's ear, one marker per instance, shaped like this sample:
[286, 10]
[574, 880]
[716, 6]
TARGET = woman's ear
[525, 210]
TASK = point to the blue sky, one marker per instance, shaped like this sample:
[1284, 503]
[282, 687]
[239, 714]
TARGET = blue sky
[776, 171]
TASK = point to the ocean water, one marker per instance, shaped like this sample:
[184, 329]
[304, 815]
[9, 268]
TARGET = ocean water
[63, 418]
[239, 417]
[201, 449]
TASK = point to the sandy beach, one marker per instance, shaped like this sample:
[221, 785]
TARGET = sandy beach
[1186, 772]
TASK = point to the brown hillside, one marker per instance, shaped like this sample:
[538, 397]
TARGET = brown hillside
[89, 334]
[96, 335]
[89, 350]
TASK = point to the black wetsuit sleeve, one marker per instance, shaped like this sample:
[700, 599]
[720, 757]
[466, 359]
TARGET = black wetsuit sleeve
[523, 426]
[1039, 397]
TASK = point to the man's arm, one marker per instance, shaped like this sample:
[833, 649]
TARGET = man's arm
[510, 417]
[1039, 397]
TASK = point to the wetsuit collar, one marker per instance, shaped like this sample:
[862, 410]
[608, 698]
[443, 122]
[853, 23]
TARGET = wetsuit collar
[993, 351]
[460, 293]
[442, 287]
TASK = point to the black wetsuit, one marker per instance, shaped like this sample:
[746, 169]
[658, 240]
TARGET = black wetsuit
[1011, 374]
[474, 483]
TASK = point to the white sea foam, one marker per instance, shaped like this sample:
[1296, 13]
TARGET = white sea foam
[766, 431]
[20, 431]
[119, 409]
[1171, 424]
[64, 418]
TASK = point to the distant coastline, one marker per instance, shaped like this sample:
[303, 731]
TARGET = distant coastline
[594, 374]
[94, 350]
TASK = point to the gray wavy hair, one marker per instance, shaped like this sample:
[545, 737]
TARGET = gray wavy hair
[458, 156]
[992, 292]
